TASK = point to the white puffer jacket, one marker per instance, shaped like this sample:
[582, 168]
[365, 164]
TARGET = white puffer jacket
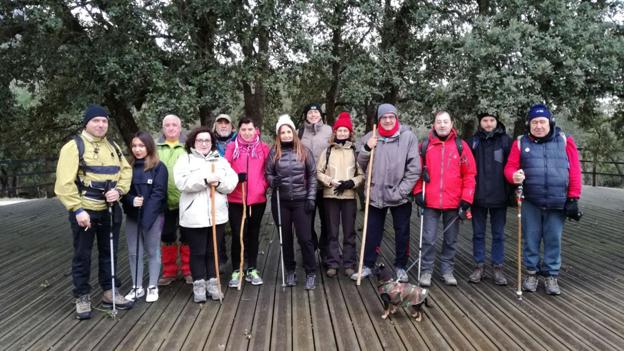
[189, 173]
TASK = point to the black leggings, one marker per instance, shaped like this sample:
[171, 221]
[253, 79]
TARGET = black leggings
[202, 255]
[251, 233]
[292, 212]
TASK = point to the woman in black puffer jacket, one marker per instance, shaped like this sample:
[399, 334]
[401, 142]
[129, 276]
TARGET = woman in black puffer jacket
[291, 172]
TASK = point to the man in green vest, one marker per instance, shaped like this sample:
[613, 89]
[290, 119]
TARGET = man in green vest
[170, 147]
[92, 175]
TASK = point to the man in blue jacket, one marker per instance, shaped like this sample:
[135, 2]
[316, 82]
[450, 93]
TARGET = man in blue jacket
[490, 147]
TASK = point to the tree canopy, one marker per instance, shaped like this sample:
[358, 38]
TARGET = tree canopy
[198, 58]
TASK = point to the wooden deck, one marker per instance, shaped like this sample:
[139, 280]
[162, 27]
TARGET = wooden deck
[37, 307]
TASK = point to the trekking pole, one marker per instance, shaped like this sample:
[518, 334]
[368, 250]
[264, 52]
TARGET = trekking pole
[213, 215]
[368, 186]
[112, 255]
[139, 237]
[422, 216]
[519, 197]
[241, 240]
[279, 230]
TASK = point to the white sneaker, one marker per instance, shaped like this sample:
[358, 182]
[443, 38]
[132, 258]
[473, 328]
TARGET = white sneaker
[152, 294]
[139, 293]
[365, 273]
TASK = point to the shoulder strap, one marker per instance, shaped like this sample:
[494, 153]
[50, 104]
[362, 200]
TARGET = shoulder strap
[565, 139]
[81, 162]
[327, 153]
[460, 145]
[300, 133]
[475, 143]
[423, 150]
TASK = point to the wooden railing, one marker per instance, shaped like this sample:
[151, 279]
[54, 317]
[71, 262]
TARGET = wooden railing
[35, 178]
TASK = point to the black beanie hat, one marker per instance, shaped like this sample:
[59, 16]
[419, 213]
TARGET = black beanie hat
[482, 115]
[309, 107]
[93, 111]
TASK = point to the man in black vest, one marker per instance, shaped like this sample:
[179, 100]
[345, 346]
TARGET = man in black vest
[490, 147]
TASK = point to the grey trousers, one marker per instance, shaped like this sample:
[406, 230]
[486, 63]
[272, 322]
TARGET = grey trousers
[430, 235]
[150, 243]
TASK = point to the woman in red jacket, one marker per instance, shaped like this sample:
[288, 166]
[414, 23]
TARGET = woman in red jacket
[449, 192]
[247, 155]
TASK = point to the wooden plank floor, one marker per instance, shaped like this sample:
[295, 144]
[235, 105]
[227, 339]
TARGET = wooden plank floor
[37, 311]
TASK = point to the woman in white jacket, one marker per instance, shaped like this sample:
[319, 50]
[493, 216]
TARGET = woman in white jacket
[195, 174]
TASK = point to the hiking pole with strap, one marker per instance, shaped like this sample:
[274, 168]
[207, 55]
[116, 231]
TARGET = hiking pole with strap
[425, 178]
[365, 229]
[213, 216]
[112, 255]
[519, 197]
[241, 239]
[279, 229]
[139, 237]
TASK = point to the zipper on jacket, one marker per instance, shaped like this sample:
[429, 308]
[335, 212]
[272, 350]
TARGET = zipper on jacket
[442, 174]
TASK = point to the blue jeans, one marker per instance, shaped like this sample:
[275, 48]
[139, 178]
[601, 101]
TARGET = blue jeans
[497, 225]
[401, 222]
[449, 240]
[542, 225]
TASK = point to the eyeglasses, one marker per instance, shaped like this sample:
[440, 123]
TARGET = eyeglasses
[203, 141]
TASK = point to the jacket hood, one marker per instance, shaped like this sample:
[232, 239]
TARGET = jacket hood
[435, 139]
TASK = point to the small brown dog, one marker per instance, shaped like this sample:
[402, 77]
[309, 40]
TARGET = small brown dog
[394, 294]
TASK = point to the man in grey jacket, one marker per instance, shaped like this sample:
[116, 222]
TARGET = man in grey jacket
[396, 168]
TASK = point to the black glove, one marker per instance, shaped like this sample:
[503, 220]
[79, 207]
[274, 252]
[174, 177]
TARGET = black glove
[462, 211]
[309, 206]
[242, 177]
[275, 183]
[419, 200]
[571, 209]
[344, 185]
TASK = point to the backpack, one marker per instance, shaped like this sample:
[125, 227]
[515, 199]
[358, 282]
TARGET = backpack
[82, 165]
[423, 152]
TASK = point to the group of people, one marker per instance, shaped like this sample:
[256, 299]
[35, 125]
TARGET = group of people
[196, 184]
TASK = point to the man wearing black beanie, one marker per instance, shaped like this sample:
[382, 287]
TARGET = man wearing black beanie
[92, 175]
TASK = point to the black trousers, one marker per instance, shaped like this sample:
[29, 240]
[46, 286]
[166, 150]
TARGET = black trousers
[339, 211]
[251, 233]
[292, 212]
[320, 242]
[202, 251]
[83, 245]
[169, 233]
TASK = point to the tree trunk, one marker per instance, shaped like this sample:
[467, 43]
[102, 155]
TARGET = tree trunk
[123, 118]
[336, 66]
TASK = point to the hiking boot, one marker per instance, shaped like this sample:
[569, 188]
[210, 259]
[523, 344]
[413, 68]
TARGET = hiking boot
[530, 283]
[235, 280]
[425, 279]
[310, 281]
[83, 307]
[253, 277]
[349, 272]
[499, 277]
[291, 278]
[135, 293]
[477, 274]
[449, 279]
[402, 275]
[199, 291]
[222, 267]
[331, 272]
[365, 273]
[552, 287]
[120, 302]
[152, 294]
[213, 289]
[164, 281]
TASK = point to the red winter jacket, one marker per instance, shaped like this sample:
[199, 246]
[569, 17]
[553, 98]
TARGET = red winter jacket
[251, 162]
[452, 178]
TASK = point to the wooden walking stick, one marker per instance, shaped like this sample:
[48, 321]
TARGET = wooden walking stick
[519, 198]
[368, 185]
[213, 215]
[242, 241]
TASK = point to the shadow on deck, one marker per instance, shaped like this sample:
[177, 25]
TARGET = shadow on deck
[37, 311]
